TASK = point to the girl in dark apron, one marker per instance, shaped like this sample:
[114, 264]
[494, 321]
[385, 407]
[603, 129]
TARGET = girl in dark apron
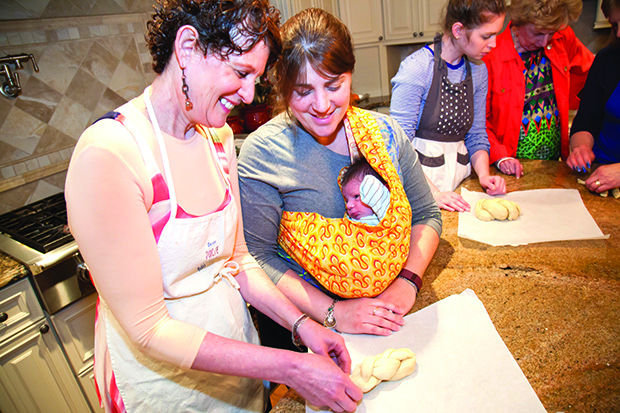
[439, 98]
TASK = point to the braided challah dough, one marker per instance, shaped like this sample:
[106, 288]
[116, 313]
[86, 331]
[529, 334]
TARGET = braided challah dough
[497, 208]
[614, 192]
[392, 365]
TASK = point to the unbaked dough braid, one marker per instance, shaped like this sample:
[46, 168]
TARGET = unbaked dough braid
[496, 208]
[391, 365]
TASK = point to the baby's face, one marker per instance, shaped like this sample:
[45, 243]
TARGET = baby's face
[356, 209]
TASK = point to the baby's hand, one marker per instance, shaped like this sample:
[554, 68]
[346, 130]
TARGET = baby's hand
[375, 194]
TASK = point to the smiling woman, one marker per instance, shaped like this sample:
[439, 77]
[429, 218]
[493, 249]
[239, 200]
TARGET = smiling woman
[288, 172]
[153, 203]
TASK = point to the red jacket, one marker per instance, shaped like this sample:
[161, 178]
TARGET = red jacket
[570, 62]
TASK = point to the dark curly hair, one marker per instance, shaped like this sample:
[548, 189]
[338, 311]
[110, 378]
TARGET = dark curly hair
[218, 22]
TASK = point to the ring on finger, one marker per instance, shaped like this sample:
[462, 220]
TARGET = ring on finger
[374, 311]
[597, 183]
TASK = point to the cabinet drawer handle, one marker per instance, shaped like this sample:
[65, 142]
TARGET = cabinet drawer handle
[415, 34]
[380, 38]
[3, 317]
[44, 328]
[421, 34]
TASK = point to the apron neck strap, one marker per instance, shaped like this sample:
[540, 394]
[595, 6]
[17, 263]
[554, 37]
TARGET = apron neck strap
[162, 150]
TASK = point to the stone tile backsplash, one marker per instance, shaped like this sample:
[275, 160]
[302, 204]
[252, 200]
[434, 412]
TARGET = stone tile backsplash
[88, 66]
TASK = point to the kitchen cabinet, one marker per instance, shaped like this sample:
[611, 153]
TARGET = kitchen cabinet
[370, 75]
[392, 21]
[363, 18]
[87, 380]
[34, 374]
[290, 7]
[412, 20]
[75, 327]
[381, 30]
[329, 5]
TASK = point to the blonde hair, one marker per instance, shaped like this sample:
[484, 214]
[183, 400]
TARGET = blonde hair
[545, 14]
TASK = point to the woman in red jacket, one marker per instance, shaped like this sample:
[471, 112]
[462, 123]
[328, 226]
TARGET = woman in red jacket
[537, 66]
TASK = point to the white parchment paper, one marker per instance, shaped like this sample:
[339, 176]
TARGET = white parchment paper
[462, 364]
[546, 215]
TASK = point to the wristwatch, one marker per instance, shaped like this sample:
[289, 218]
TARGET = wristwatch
[330, 320]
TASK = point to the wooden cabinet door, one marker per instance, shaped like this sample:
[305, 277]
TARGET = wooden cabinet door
[370, 75]
[431, 18]
[330, 5]
[34, 375]
[87, 380]
[400, 19]
[76, 329]
[364, 20]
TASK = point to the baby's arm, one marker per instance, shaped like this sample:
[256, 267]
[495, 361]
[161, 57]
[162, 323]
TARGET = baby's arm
[375, 194]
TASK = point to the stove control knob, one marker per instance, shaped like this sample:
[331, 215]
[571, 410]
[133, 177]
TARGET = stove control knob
[83, 272]
[3, 317]
[44, 328]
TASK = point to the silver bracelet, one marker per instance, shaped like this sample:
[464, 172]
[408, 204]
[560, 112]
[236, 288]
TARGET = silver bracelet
[294, 334]
[330, 319]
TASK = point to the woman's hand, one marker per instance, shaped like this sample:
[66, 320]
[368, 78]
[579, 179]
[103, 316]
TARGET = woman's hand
[367, 316]
[581, 155]
[493, 184]
[604, 178]
[580, 158]
[401, 293]
[451, 201]
[321, 383]
[511, 166]
[326, 343]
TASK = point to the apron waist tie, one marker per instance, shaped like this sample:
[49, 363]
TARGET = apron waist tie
[231, 268]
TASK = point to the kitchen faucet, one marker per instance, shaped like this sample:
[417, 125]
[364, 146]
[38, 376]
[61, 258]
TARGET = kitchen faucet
[11, 87]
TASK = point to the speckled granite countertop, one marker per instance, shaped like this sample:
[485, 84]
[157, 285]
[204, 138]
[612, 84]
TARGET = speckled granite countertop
[556, 305]
[10, 270]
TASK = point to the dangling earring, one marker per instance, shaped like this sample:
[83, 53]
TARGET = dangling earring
[188, 103]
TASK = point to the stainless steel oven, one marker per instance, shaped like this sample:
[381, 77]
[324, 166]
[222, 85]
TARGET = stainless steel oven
[37, 235]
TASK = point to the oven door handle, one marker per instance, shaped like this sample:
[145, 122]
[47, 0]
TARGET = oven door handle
[53, 257]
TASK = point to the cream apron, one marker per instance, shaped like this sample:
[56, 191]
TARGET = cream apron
[200, 289]
[447, 116]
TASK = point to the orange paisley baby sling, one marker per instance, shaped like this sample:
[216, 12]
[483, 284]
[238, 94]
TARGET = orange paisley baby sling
[349, 258]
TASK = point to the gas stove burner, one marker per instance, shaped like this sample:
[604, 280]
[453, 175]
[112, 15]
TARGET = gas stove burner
[41, 225]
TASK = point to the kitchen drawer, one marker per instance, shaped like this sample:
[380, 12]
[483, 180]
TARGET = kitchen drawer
[19, 308]
[75, 326]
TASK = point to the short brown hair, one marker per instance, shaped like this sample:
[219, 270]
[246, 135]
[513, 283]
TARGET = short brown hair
[545, 14]
[217, 22]
[318, 38]
[471, 13]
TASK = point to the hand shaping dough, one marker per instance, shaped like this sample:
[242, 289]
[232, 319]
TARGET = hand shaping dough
[391, 365]
[496, 208]
[614, 192]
